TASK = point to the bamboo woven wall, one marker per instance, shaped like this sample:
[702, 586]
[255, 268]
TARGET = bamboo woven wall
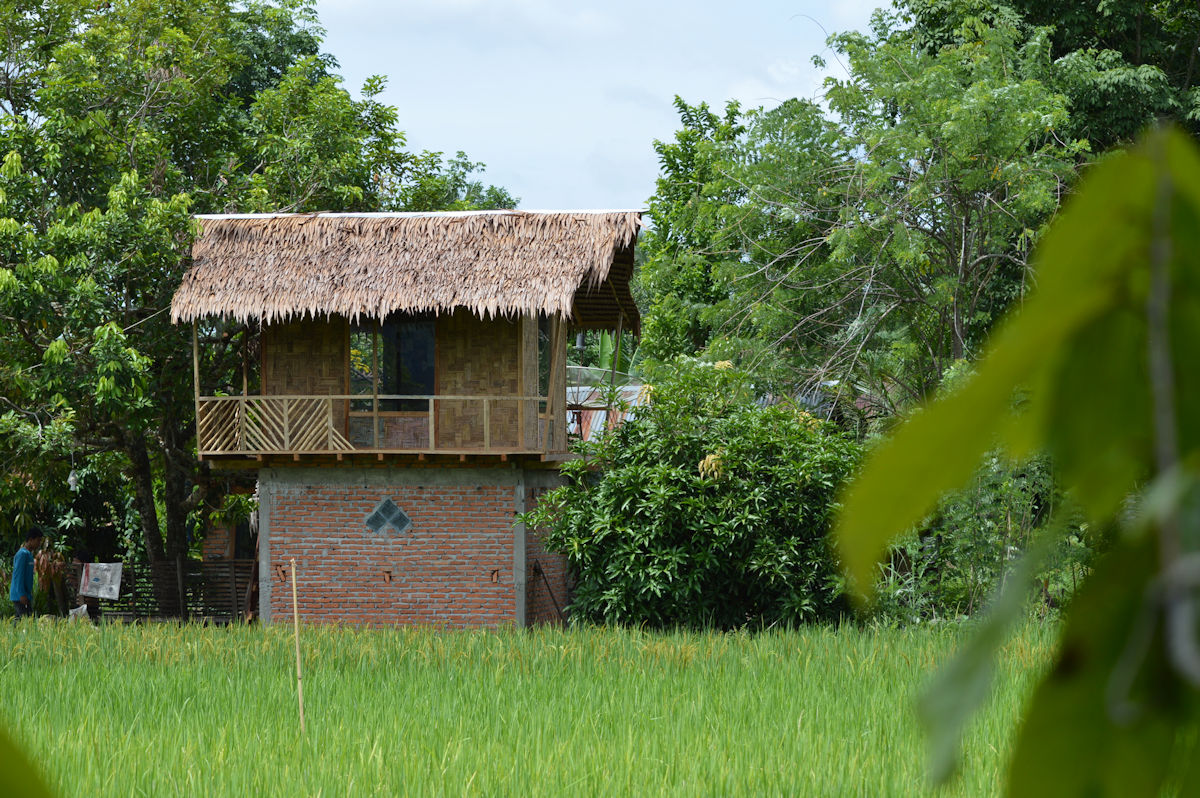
[305, 358]
[479, 357]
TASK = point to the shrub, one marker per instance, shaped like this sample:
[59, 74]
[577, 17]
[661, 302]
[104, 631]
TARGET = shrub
[951, 565]
[704, 509]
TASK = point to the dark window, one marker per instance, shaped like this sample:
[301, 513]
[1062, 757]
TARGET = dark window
[406, 362]
[395, 357]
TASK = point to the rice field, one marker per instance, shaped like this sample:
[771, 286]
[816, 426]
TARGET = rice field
[166, 710]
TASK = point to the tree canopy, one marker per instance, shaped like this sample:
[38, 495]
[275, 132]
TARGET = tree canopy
[863, 246]
[120, 121]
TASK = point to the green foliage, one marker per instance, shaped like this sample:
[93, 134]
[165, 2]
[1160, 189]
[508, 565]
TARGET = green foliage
[869, 249]
[121, 120]
[677, 275]
[1126, 62]
[961, 553]
[1104, 349]
[705, 509]
[17, 774]
[448, 186]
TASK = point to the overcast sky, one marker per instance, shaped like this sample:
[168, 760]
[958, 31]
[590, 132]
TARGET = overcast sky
[563, 100]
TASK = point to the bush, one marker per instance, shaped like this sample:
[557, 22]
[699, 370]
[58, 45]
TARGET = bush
[951, 565]
[704, 509]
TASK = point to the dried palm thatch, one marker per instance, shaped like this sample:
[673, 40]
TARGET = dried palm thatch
[278, 267]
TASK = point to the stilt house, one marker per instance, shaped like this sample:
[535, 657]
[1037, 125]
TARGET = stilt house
[403, 396]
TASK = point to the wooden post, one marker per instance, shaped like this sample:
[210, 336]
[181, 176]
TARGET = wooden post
[552, 384]
[429, 407]
[245, 363]
[287, 432]
[521, 387]
[558, 386]
[487, 426]
[375, 385]
[196, 389]
[296, 627]
[329, 429]
[240, 424]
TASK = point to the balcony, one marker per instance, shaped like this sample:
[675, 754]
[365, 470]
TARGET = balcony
[379, 424]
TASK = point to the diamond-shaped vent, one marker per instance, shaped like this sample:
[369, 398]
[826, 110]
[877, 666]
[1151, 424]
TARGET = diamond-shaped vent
[388, 519]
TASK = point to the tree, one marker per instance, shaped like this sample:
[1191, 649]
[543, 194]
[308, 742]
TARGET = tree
[677, 273]
[1101, 359]
[1130, 62]
[447, 186]
[870, 252]
[122, 120]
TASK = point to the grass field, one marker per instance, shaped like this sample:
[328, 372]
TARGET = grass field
[183, 711]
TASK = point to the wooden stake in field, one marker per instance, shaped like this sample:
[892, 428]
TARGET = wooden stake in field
[296, 626]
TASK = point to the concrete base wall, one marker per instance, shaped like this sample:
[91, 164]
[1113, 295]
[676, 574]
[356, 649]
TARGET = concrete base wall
[462, 562]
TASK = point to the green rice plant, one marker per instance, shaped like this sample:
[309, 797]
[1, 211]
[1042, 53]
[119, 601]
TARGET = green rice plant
[184, 710]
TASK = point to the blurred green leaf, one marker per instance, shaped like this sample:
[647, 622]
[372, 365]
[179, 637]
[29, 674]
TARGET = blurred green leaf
[18, 777]
[1103, 720]
[1078, 344]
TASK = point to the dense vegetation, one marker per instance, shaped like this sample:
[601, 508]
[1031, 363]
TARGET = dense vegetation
[1102, 353]
[704, 509]
[549, 712]
[856, 253]
[864, 247]
[118, 121]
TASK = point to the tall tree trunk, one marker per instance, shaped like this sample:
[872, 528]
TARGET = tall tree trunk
[178, 475]
[142, 474]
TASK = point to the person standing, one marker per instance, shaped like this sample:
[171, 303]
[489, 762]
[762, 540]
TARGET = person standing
[21, 589]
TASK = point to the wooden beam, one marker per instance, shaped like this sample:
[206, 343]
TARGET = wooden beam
[521, 387]
[374, 384]
[558, 384]
[245, 362]
[552, 383]
[196, 386]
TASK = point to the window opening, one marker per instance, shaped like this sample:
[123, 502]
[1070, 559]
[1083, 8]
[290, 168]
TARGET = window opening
[395, 357]
[388, 519]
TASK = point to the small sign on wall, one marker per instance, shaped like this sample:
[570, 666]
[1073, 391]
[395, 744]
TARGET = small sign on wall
[101, 580]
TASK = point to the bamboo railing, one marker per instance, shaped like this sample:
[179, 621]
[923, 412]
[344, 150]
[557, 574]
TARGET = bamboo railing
[347, 423]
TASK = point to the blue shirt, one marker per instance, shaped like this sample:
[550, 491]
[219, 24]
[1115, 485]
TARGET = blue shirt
[22, 578]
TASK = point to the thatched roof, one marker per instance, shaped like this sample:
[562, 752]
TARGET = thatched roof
[276, 267]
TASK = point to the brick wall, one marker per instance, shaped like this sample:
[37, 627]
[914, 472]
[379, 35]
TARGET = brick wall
[218, 543]
[547, 593]
[454, 566]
